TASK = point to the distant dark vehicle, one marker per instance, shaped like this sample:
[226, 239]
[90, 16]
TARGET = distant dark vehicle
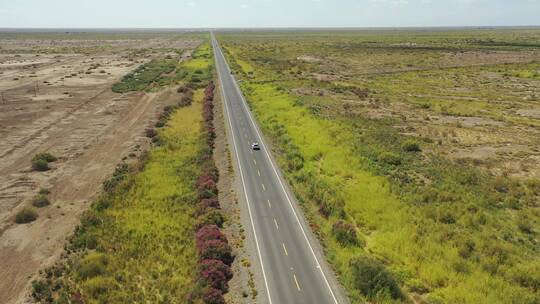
[255, 146]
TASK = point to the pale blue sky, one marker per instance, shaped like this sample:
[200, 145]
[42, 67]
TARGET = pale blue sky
[266, 13]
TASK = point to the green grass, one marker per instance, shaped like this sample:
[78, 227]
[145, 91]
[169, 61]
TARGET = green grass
[447, 231]
[157, 73]
[198, 70]
[136, 243]
[146, 75]
[532, 74]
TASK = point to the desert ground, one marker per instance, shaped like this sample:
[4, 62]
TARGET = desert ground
[56, 97]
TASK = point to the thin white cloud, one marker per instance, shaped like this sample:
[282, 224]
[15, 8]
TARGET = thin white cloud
[389, 3]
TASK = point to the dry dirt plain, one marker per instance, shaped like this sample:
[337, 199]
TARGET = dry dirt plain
[55, 96]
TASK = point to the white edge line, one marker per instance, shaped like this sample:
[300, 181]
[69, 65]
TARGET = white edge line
[285, 191]
[241, 174]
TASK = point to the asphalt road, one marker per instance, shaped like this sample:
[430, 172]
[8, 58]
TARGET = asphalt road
[291, 270]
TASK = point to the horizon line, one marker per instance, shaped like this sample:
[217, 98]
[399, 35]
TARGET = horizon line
[275, 27]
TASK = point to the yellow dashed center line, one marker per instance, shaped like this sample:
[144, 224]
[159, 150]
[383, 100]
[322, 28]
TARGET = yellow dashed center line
[254, 161]
[296, 281]
[269, 204]
[259, 172]
[285, 249]
[275, 222]
[264, 188]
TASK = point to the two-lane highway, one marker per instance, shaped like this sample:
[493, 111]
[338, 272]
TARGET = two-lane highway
[291, 271]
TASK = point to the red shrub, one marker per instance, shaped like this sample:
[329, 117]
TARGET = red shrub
[208, 113]
[217, 265]
[168, 110]
[215, 278]
[150, 132]
[209, 95]
[77, 298]
[205, 177]
[209, 233]
[210, 203]
[209, 92]
[211, 132]
[206, 156]
[210, 170]
[205, 206]
[212, 296]
[216, 249]
[207, 187]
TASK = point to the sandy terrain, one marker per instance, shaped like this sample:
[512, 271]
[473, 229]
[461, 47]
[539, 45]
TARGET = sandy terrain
[63, 104]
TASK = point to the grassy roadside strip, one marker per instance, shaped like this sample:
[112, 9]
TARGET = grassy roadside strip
[215, 253]
[198, 71]
[380, 229]
[136, 242]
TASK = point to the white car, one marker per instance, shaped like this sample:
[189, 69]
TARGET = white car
[255, 146]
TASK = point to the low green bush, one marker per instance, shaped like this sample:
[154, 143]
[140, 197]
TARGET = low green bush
[40, 201]
[40, 290]
[373, 280]
[44, 191]
[26, 215]
[411, 145]
[48, 157]
[390, 158]
[40, 165]
[119, 175]
[345, 233]
[40, 162]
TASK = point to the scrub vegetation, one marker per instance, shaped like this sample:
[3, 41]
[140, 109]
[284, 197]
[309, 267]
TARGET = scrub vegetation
[26, 215]
[153, 235]
[145, 76]
[169, 70]
[40, 162]
[413, 153]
